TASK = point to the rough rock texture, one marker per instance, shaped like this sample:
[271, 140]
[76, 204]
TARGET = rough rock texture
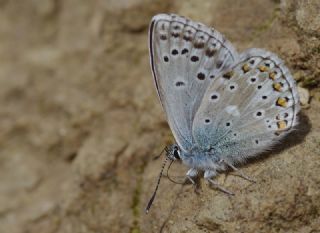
[80, 121]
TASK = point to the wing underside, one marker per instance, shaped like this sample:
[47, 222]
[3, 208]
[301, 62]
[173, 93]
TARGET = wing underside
[186, 57]
[248, 108]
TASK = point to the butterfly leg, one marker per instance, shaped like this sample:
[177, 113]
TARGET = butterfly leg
[208, 174]
[239, 172]
[192, 176]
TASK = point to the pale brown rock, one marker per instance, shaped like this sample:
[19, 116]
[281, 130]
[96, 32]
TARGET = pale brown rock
[304, 96]
[80, 121]
[308, 16]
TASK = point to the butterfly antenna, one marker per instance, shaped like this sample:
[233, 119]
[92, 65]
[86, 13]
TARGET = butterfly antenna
[156, 189]
[169, 176]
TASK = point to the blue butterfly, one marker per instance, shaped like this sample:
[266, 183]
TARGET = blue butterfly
[222, 107]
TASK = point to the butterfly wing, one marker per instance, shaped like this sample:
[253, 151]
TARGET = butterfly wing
[185, 58]
[248, 108]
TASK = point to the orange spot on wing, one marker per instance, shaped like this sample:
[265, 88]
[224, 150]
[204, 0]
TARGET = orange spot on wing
[272, 75]
[282, 124]
[263, 68]
[228, 75]
[282, 102]
[246, 68]
[277, 86]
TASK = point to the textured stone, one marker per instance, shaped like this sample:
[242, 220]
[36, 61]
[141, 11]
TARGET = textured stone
[308, 16]
[304, 96]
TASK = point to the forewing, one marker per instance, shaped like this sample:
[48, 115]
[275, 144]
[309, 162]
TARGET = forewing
[185, 58]
[248, 108]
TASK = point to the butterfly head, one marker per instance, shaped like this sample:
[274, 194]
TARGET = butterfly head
[173, 152]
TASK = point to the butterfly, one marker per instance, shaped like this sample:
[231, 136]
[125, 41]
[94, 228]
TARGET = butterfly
[222, 107]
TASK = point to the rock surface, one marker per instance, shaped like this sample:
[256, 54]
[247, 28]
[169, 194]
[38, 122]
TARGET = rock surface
[80, 121]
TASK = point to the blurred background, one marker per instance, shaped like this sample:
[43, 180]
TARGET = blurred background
[80, 120]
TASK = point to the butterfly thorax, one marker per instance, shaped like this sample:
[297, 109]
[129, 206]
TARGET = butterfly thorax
[196, 158]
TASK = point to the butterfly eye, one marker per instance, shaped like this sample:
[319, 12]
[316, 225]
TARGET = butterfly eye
[176, 153]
